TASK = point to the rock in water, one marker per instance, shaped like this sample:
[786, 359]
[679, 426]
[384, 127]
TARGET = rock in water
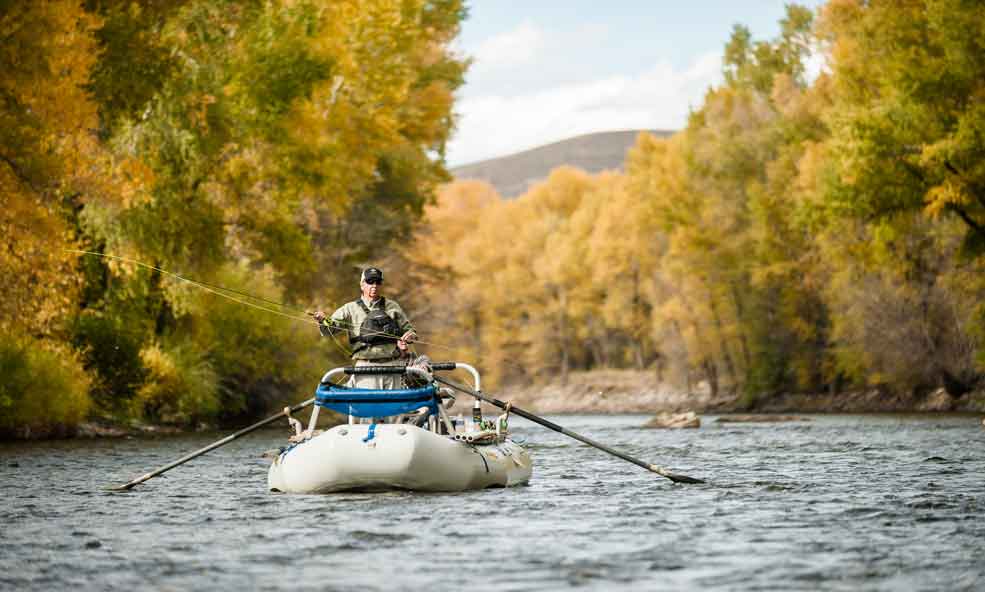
[759, 418]
[938, 400]
[688, 419]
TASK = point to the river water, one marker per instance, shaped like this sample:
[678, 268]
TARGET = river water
[836, 503]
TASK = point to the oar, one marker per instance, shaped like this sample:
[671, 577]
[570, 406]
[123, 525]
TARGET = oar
[553, 426]
[211, 446]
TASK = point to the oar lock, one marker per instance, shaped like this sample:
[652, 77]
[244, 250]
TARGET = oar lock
[296, 426]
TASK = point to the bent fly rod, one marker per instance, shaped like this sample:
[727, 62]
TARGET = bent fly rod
[221, 291]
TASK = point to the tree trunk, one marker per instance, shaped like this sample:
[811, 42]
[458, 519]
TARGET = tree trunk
[740, 315]
[726, 353]
[711, 373]
[477, 333]
[563, 333]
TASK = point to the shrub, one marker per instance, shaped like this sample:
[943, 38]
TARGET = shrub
[262, 361]
[43, 388]
[110, 345]
[180, 388]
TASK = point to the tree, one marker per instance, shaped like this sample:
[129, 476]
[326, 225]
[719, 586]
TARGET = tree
[51, 162]
[908, 121]
[206, 138]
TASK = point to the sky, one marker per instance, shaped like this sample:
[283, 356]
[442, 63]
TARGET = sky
[546, 70]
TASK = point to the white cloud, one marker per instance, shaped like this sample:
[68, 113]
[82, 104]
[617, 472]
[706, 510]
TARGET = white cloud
[516, 46]
[496, 124]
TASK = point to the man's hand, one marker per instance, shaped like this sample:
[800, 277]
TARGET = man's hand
[326, 326]
[408, 338]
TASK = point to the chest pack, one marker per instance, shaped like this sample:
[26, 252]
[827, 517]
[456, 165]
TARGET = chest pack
[378, 327]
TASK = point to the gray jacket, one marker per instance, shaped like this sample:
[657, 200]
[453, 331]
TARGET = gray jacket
[349, 318]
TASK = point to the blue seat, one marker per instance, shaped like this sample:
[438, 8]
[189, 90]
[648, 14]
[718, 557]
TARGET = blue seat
[376, 403]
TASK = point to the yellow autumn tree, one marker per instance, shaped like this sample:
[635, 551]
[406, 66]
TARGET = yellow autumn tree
[441, 279]
[51, 163]
[277, 145]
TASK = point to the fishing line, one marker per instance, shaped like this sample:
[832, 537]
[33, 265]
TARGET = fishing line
[206, 287]
[214, 289]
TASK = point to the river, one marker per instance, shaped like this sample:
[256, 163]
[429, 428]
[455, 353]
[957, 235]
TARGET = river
[836, 503]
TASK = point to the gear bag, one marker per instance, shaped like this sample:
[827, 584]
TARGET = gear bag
[377, 328]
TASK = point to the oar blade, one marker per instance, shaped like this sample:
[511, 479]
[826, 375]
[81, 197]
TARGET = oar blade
[683, 478]
[553, 426]
[130, 485]
[212, 446]
[674, 476]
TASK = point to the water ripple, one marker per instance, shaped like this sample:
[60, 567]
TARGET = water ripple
[839, 503]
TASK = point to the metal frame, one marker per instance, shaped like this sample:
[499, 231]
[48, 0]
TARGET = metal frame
[432, 421]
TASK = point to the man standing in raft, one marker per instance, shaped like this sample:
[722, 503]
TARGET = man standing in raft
[379, 331]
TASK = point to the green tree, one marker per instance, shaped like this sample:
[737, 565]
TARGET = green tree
[907, 121]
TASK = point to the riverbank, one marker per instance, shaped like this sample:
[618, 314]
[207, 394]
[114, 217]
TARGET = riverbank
[612, 392]
[631, 391]
[98, 429]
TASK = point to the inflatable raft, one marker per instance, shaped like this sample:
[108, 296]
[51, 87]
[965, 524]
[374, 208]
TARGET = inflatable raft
[397, 439]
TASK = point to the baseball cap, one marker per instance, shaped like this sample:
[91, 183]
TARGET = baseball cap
[372, 275]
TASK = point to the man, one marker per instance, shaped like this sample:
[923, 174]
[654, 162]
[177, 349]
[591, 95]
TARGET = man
[379, 331]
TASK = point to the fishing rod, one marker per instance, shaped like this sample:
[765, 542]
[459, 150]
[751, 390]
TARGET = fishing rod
[205, 286]
[215, 289]
[307, 319]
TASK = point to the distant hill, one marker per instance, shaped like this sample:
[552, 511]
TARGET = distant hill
[512, 175]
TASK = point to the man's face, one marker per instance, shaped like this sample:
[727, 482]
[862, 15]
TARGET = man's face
[371, 291]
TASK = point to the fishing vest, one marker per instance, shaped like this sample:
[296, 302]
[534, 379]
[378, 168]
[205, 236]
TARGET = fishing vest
[377, 328]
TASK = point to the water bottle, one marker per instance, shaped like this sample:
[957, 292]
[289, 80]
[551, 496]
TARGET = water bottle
[477, 414]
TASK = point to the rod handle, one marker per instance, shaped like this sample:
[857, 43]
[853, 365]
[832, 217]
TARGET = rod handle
[394, 369]
[375, 369]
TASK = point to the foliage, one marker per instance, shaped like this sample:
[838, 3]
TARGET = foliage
[904, 315]
[797, 235]
[44, 388]
[288, 140]
[180, 387]
[260, 361]
[110, 348]
[908, 117]
[49, 158]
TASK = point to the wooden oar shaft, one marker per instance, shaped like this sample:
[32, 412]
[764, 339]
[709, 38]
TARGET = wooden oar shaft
[211, 446]
[553, 426]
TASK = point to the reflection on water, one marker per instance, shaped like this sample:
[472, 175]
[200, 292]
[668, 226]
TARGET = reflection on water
[839, 503]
